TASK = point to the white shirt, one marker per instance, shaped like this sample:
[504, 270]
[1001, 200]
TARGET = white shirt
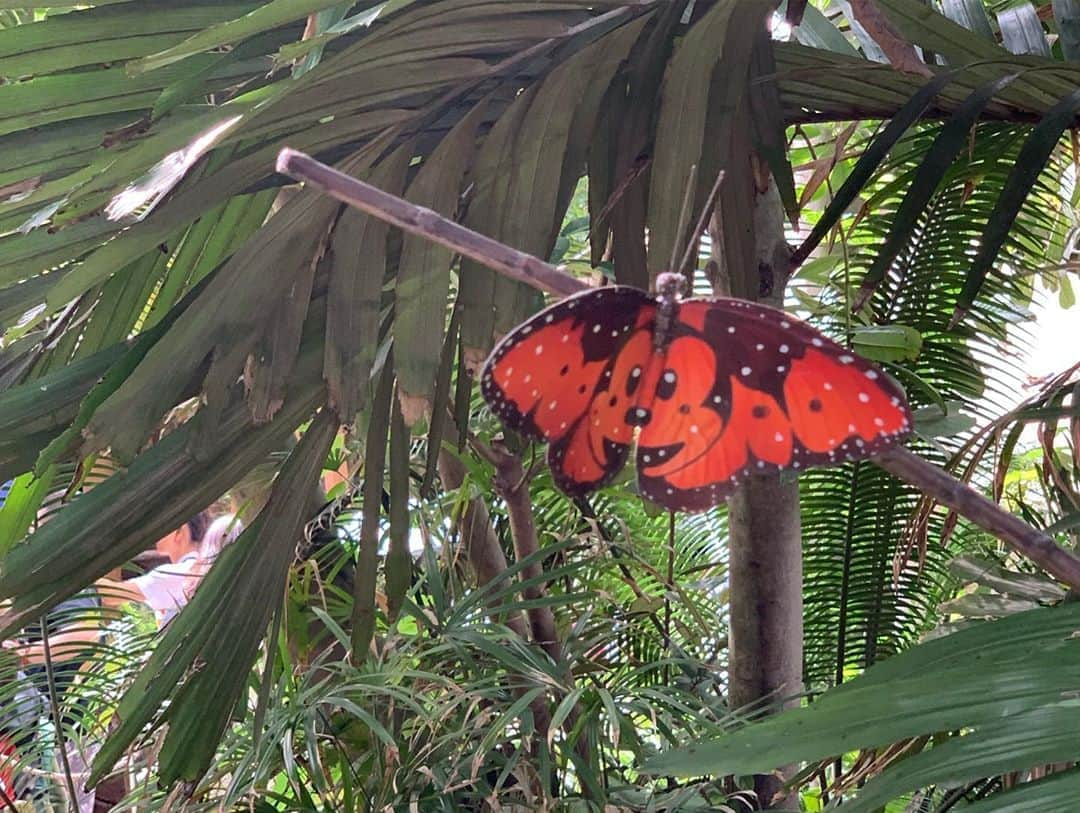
[166, 587]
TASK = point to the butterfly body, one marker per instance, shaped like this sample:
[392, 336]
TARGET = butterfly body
[711, 390]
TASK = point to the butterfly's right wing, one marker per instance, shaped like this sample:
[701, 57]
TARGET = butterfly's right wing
[747, 388]
[566, 376]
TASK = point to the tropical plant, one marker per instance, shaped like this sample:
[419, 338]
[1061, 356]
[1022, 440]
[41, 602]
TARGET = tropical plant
[171, 306]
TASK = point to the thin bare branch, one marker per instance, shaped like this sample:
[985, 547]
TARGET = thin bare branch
[513, 486]
[427, 223]
[988, 515]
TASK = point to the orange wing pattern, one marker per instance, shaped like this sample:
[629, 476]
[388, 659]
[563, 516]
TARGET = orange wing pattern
[553, 377]
[737, 388]
[747, 388]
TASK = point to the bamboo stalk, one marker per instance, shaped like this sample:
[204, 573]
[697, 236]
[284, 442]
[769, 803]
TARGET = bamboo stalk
[523, 267]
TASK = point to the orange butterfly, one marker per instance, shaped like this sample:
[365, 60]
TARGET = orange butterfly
[712, 389]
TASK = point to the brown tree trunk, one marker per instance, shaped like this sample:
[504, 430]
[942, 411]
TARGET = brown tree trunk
[765, 548]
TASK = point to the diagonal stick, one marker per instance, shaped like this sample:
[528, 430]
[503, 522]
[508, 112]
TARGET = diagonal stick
[901, 463]
[428, 224]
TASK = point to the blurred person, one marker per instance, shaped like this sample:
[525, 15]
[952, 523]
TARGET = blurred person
[191, 550]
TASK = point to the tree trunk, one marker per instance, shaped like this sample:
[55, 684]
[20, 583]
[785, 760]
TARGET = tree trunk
[765, 553]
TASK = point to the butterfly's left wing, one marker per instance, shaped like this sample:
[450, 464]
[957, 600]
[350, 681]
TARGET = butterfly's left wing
[569, 375]
[748, 388]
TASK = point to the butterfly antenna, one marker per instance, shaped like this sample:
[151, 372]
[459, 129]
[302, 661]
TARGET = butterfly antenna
[684, 215]
[702, 224]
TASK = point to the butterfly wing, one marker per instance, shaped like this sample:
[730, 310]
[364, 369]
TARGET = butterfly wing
[566, 377]
[746, 388]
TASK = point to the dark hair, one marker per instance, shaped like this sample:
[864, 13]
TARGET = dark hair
[198, 524]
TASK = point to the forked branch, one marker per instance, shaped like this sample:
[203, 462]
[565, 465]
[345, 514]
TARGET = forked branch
[426, 223]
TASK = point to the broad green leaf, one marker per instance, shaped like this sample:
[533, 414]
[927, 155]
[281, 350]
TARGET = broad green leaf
[541, 179]
[1019, 742]
[681, 127]
[985, 605]
[934, 422]
[1066, 294]
[122, 302]
[423, 275]
[1056, 793]
[818, 32]
[620, 161]
[113, 378]
[63, 96]
[51, 401]
[263, 17]
[937, 694]
[105, 34]
[20, 507]
[476, 290]
[357, 271]
[887, 342]
[128, 512]
[228, 314]
[767, 115]
[363, 611]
